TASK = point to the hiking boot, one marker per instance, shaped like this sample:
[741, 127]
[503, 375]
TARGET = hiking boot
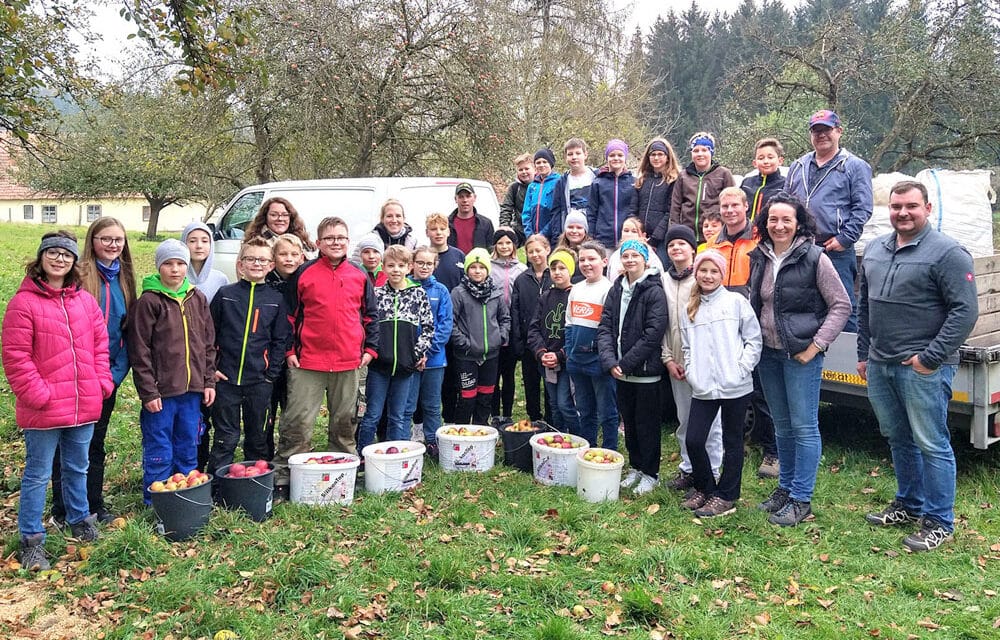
[32, 555]
[694, 500]
[86, 529]
[894, 514]
[931, 536]
[680, 482]
[280, 495]
[774, 503]
[716, 506]
[105, 517]
[632, 476]
[57, 522]
[769, 467]
[645, 485]
[794, 512]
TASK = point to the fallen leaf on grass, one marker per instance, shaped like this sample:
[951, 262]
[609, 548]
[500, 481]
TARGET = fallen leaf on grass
[613, 619]
[996, 623]
[342, 558]
[826, 604]
[652, 509]
[763, 619]
[867, 490]
[953, 595]
[927, 623]
[595, 559]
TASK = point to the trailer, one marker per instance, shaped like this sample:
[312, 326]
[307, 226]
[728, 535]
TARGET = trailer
[975, 399]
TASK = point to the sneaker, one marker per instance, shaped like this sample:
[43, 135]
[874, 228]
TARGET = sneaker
[433, 452]
[931, 536]
[645, 485]
[86, 529]
[280, 494]
[892, 515]
[694, 500]
[769, 467]
[105, 517]
[778, 499]
[32, 555]
[716, 506]
[794, 512]
[417, 432]
[631, 477]
[680, 482]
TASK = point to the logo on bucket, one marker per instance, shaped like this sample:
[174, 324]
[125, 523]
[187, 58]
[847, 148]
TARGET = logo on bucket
[337, 486]
[467, 458]
[413, 477]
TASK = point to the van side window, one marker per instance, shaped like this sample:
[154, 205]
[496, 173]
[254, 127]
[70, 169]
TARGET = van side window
[240, 214]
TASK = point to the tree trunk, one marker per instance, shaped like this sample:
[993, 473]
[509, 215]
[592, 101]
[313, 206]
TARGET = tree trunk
[155, 206]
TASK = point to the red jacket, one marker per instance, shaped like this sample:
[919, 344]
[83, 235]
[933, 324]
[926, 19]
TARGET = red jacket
[332, 310]
[55, 355]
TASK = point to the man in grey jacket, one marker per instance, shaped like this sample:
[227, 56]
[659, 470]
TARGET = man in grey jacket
[918, 305]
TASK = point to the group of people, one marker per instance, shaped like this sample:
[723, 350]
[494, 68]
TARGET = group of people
[675, 279]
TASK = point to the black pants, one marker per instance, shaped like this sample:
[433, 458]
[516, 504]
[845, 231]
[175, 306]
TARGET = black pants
[252, 402]
[449, 387]
[478, 382]
[504, 396]
[279, 397]
[699, 422]
[95, 472]
[205, 442]
[762, 429]
[534, 388]
[639, 404]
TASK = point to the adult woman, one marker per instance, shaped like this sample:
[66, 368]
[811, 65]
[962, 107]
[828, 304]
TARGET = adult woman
[802, 306]
[55, 356]
[391, 229]
[658, 171]
[106, 271]
[275, 217]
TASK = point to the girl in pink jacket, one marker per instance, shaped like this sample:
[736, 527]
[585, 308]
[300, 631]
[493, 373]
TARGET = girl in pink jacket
[55, 356]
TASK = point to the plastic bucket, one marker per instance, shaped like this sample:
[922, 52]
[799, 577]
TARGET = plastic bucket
[467, 453]
[323, 483]
[181, 514]
[254, 494]
[598, 481]
[555, 467]
[517, 446]
[393, 471]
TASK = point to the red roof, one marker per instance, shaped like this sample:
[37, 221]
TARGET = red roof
[10, 189]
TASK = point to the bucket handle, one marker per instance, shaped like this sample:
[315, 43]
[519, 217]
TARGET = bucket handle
[543, 427]
[194, 502]
[386, 475]
[259, 483]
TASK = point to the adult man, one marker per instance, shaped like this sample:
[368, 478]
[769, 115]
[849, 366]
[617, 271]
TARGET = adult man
[836, 186]
[468, 229]
[918, 304]
[735, 242]
[332, 307]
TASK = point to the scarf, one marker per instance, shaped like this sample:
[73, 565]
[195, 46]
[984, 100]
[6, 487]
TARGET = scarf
[480, 291]
[111, 271]
[672, 272]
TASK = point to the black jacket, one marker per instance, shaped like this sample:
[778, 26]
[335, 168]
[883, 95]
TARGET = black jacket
[510, 209]
[652, 205]
[548, 328]
[799, 308]
[523, 303]
[251, 332]
[641, 332]
[759, 190]
[482, 235]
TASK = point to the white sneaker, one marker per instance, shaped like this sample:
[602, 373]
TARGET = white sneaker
[631, 477]
[646, 484]
[417, 432]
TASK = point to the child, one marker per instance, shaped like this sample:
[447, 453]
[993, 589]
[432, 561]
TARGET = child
[769, 155]
[505, 271]
[482, 324]
[171, 347]
[545, 340]
[654, 187]
[288, 255]
[537, 214]
[633, 229]
[198, 238]
[426, 385]
[513, 200]
[370, 249]
[251, 332]
[575, 232]
[677, 284]
[451, 260]
[573, 189]
[611, 195]
[406, 332]
[721, 342]
[594, 388]
[628, 341]
[528, 288]
[710, 227]
[696, 192]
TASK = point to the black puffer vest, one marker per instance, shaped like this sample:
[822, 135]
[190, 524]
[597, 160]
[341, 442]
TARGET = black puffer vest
[799, 308]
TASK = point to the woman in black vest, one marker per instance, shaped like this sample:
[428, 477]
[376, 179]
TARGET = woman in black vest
[802, 307]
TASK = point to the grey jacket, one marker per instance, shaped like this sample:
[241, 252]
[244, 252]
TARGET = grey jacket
[916, 299]
[480, 329]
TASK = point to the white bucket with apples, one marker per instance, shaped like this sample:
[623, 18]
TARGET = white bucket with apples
[598, 474]
[323, 477]
[396, 465]
[553, 458]
[467, 447]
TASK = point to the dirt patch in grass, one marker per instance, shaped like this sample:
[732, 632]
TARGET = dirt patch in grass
[25, 612]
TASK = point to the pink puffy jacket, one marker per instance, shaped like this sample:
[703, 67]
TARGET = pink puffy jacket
[55, 356]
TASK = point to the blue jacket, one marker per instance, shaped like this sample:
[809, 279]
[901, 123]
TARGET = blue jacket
[610, 202]
[112, 301]
[839, 195]
[441, 309]
[537, 215]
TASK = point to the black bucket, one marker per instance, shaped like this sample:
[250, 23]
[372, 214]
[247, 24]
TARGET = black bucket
[517, 445]
[181, 514]
[255, 494]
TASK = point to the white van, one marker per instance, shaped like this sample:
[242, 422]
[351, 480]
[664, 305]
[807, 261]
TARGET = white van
[356, 200]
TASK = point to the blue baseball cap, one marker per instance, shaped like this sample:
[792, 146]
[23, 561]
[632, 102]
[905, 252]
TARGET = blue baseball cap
[824, 117]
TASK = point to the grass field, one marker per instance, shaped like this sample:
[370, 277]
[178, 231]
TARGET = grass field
[498, 556]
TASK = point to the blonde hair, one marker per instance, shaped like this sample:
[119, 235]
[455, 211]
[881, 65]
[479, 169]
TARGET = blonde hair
[287, 238]
[388, 203]
[770, 142]
[256, 242]
[537, 237]
[90, 279]
[436, 220]
[521, 159]
[424, 249]
[397, 253]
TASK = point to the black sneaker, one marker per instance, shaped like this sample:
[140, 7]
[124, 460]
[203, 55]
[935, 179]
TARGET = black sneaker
[433, 451]
[32, 555]
[86, 529]
[681, 482]
[931, 536]
[794, 512]
[778, 499]
[894, 514]
[280, 494]
[105, 517]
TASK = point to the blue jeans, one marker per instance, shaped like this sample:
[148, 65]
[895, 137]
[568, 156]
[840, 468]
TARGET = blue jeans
[39, 451]
[912, 412]
[170, 439]
[564, 414]
[596, 403]
[846, 264]
[379, 386]
[792, 392]
[425, 388]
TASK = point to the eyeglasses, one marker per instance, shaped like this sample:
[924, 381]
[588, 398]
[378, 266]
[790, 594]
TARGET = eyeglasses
[334, 239]
[255, 260]
[55, 255]
[111, 241]
[279, 216]
[425, 265]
